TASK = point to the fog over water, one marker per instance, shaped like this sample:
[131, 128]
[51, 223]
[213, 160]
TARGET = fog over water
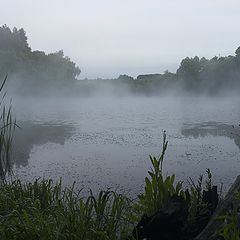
[105, 141]
[95, 83]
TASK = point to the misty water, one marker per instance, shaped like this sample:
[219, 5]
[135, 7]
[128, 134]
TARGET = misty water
[105, 142]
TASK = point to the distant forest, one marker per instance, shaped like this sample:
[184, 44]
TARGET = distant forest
[35, 72]
[31, 72]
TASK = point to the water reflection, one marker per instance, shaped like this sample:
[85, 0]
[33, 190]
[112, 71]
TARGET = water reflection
[213, 129]
[36, 133]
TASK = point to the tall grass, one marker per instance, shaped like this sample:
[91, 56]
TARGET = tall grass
[7, 125]
[44, 210]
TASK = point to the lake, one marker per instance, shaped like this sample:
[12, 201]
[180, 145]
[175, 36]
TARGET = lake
[105, 142]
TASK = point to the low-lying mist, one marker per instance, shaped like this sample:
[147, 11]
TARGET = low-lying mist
[34, 73]
[93, 130]
[121, 87]
[94, 139]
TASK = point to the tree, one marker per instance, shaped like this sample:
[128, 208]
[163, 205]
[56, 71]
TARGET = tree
[34, 69]
[237, 52]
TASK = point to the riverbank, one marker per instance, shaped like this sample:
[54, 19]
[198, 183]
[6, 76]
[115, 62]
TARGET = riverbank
[165, 210]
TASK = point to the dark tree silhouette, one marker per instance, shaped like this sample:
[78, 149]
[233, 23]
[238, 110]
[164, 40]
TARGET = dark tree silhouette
[33, 71]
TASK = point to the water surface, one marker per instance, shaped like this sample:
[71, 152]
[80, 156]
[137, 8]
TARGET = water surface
[105, 142]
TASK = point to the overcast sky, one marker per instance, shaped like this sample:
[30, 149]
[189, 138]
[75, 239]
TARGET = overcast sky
[111, 37]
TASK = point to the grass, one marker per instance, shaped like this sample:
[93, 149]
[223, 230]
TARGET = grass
[44, 210]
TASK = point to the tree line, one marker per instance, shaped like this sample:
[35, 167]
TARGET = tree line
[34, 72]
[196, 76]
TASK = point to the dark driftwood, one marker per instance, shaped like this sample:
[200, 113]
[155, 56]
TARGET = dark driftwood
[211, 231]
[167, 224]
[171, 222]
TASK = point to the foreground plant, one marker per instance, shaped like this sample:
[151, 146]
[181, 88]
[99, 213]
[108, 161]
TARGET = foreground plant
[7, 126]
[44, 210]
[169, 212]
[230, 229]
[159, 189]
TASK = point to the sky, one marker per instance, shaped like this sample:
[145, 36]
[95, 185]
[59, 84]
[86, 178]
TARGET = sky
[107, 38]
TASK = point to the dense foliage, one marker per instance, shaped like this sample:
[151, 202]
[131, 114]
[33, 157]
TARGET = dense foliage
[33, 71]
[213, 75]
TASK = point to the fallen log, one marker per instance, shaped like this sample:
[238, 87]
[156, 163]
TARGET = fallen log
[171, 222]
[213, 228]
[167, 224]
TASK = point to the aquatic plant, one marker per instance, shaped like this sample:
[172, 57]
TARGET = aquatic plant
[7, 126]
[158, 189]
[197, 196]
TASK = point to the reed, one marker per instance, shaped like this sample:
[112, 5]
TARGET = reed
[7, 126]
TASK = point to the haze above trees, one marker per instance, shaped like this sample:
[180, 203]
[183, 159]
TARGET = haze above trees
[35, 72]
